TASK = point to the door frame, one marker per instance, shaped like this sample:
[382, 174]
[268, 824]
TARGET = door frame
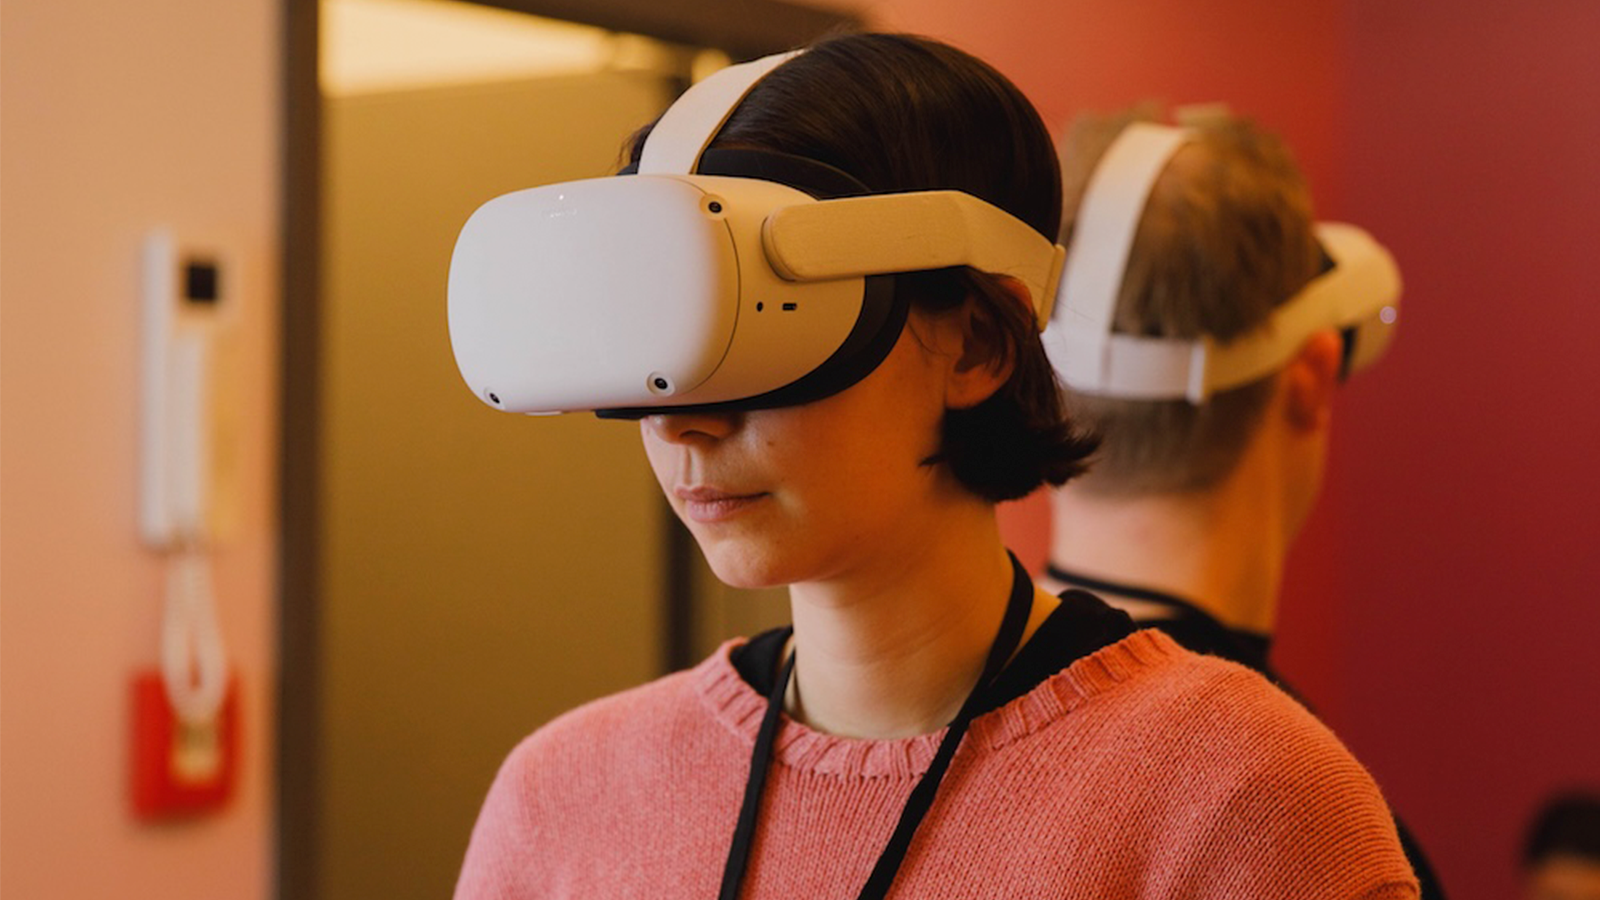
[743, 29]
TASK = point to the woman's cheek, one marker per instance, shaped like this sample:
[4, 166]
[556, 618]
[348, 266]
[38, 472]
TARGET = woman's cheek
[660, 459]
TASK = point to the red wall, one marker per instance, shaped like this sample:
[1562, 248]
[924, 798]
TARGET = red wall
[1466, 485]
[1438, 608]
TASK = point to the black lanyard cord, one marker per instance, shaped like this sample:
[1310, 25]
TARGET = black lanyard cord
[1132, 592]
[922, 795]
[745, 831]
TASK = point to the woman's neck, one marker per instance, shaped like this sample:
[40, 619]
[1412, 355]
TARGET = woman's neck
[893, 650]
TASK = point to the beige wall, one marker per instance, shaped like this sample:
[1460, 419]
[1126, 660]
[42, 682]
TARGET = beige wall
[119, 117]
[461, 601]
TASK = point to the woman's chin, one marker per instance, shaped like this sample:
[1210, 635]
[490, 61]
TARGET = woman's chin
[743, 567]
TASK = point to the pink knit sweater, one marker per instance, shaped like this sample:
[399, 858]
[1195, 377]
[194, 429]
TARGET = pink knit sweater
[1142, 770]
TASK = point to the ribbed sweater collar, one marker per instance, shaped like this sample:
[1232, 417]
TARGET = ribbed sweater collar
[738, 707]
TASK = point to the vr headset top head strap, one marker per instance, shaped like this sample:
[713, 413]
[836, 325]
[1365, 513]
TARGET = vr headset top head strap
[1358, 294]
[684, 131]
[1108, 218]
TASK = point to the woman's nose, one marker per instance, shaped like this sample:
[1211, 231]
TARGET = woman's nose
[687, 428]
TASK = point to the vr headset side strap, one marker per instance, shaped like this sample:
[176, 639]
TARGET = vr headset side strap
[910, 232]
[687, 127]
[1360, 296]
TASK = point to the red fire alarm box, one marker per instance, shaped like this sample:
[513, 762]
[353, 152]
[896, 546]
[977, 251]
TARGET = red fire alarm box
[181, 768]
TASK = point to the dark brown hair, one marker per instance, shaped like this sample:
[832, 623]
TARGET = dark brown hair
[1567, 825]
[905, 113]
[1225, 238]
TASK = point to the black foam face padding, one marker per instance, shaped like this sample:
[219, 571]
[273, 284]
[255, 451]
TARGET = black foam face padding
[1347, 355]
[1347, 336]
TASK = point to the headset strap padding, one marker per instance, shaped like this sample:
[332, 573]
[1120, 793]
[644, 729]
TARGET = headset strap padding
[911, 232]
[685, 130]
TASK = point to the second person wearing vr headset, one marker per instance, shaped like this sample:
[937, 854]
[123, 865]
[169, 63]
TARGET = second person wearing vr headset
[1204, 479]
[933, 725]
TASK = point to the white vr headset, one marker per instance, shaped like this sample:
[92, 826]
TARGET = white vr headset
[1357, 294]
[722, 279]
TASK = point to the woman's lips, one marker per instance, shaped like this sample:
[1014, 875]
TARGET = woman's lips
[706, 504]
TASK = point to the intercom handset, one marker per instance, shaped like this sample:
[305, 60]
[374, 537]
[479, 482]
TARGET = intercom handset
[182, 313]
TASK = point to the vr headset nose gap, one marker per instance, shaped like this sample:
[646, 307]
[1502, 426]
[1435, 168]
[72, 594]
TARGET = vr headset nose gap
[723, 279]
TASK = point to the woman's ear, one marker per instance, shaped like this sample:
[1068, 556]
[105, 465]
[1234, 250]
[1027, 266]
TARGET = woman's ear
[1310, 380]
[987, 356]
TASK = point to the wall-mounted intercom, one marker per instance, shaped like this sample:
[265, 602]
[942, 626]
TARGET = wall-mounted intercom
[185, 711]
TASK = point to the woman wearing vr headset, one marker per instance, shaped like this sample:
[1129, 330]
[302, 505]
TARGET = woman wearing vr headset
[932, 725]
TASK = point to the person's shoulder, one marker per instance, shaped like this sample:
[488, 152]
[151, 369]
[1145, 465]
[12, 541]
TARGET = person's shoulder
[1156, 678]
[555, 798]
[1256, 777]
[1203, 705]
[618, 724]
